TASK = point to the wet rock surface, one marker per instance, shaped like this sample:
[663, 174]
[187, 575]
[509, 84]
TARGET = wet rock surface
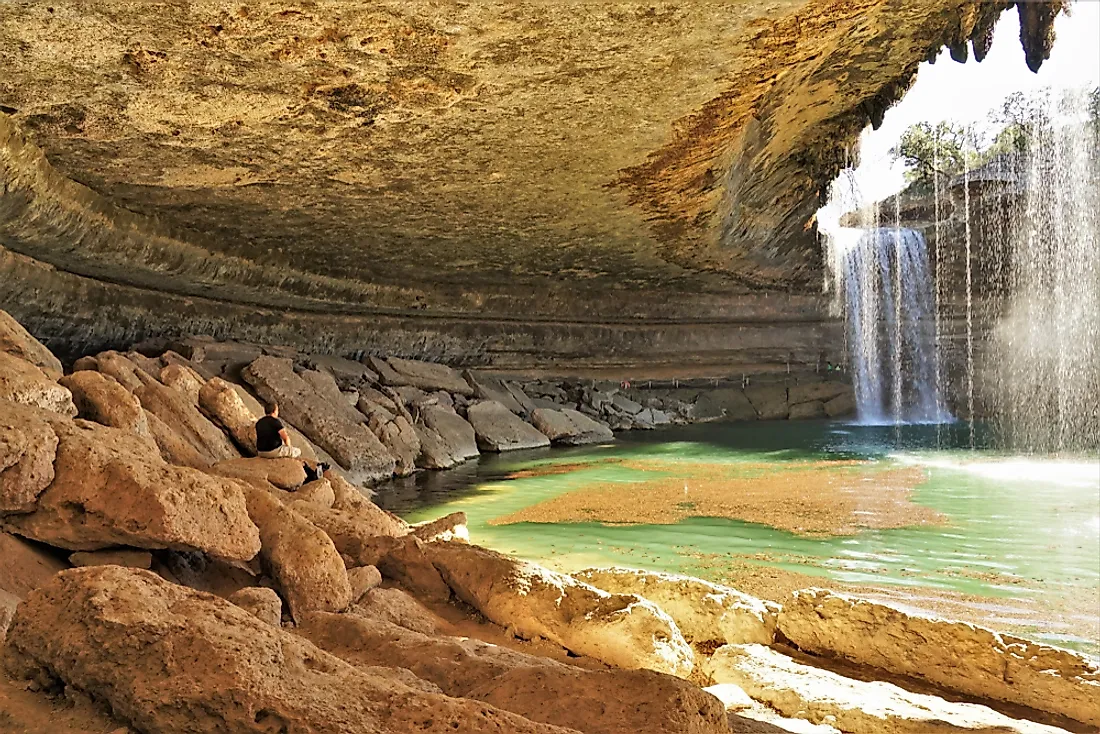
[499, 429]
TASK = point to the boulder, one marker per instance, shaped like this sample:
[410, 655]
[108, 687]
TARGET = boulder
[428, 376]
[499, 429]
[285, 474]
[111, 489]
[113, 557]
[448, 527]
[171, 357]
[625, 404]
[202, 572]
[28, 446]
[170, 659]
[769, 401]
[569, 427]
[397, 607]
[350, 443]
[262, 603]
[351, 535]
[183, 380]
[182, 415]
[22, 382]
[119, 367]
[703, 611]
[956, 656]
[319, 492]
[325, 386]
[487, 387]
[8, 603]
[236, 411]
[101, 398]
[728, 403]
[148, 365]
[816, 391]
[517, 393]
[301, 557]
[362, 580]
[349, 374]
[24, 566]
[807, 411]
[398, 435]
[174, 448]
[853, 706]
[408, 561]
[455, 431]
[435, 453]
[531, 601]
[87, 362]
[541, 689]
[352, 500]
[377, 398]
[841, 405]
[18, 342]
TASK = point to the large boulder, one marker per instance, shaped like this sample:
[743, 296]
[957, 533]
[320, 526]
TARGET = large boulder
[488, 387]
[435, 452]
[119, 367]
[236, 411]
[24, 566]
[349, 498]
[428, 376]
[499, 429]
[18, 342]
[325, 386]
[352, 535]
[180, 413]
[769, 401]
[957, 656]
[569, 427]
[101, 398]
[397, 607]
[398, 435]
[703, 611]
[349, 442]
[455, 431]
[300, 556]
[618, 629]
[727, 403]
[173, 447]
[170, 659]
[182, 379]
[853, 706]
[283, 473]
[262, 603]
[591, 701]
[23, 382]
[111, 488]
[349, 374]
[28, 446]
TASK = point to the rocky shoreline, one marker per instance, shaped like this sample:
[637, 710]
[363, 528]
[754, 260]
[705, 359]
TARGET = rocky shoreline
[156, 577]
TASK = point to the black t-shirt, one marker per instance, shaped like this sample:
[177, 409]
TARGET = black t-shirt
[267, 433]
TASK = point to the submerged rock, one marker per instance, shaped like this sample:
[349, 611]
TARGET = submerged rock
[499, 429]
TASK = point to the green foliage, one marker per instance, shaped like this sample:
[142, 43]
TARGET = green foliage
[930, 151]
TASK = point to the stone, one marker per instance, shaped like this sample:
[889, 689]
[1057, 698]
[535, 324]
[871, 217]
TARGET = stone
[853, 706]
[22, 382]
[170, 357]
[488, 387]
[362, 580]
[448, 527]
[397, 607]
[428, 376]
[285, 474]
[301, 557]
[110, 489]
[28, 446]
[182, 415]
[8, 603]
[625, 404]
[101, 398]
[148, 365]
[351, 534]
[650, 417]
[113, 557]
[319, 492]
[517, 393]
[183, 380]
[325, 386]
[435, 453]
[371, 395]
[956, 656]
[816, 391]
[728, 403]
[262, 603]
[807, 411]
[119, 367]
[347, 373]
[408, 561]
[87, 362]
[351, 499]
[538, 688]
[841, 405]
[499, 429]
[569, 427]
[174, 448]
[24, 566]
[18, 342]
[351, 444]
[169, 659]
[222, 403]
[621, 630]
[703, 611]
[203, 572]
[456, 431]
[769, 401]
[402, 441]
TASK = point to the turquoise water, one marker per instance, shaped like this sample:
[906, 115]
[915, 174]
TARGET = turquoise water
[1019, 551]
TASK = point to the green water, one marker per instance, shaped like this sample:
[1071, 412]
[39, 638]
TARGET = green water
[1020, 550]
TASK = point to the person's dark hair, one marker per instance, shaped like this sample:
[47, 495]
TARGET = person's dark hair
[271, 408]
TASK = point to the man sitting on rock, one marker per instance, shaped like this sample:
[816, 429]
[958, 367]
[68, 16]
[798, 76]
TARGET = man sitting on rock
[272, 441]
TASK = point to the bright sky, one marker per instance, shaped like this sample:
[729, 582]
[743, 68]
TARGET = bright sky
[966, 93]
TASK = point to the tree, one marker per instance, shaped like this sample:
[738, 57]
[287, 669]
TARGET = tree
[930, 151]
[1022, 119]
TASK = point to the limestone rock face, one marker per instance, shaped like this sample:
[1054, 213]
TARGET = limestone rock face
[28, 446]
[349, 442]
[25, 566]
[183, 380]
[841, 405]
[703, 611]
[594, 702]
[427, 376]
[724, 404]
[621, 630]
[17, 341]
[487, 387]
[262, 603]
[569, 427]
[173, 447]
[499, 429]
[101, 398]
[955, 655]
[853, 706]
[283, 473]
[110, 488]
[22, 382]
[820, 391]
[170, 659]
[455, 431]
[769, 401]
[180, 413]
[807, 411]
[399, 436]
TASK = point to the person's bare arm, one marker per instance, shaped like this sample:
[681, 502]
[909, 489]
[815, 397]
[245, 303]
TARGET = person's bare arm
[283, 435]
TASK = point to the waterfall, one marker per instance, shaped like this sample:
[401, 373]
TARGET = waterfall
[887, 287]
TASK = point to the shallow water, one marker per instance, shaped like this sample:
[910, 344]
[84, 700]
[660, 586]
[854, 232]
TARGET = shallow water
[1020, 548]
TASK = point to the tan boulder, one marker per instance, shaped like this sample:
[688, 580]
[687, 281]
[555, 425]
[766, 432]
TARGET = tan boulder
[362, 580]
[148, 365]
[489, 387]
[455, 431]
[183, 380]
[285, 474]
[170, 659]
[28, 446]
[318, 492]
[24, 566]
[703, 611]
[184, 418]
[351, 534]
[401, 439]
[349, 498]
[18, 342]
[119, 367]
[325, 386]
[434, 451]
[541, 689]
[262, 603]
[110, 489]
[397, 607]
[101, 398]
[428, 376]
[853, 706]
[113, 557]
[499, 429]
[348, 373]
[957, 656]
[349, 442]
[22, 382]
[87, 362]
[621, 630]
[222, 403]
[407, 561]
[448, 527]
[301, 557]
[569, 427]
[174, 448]
[8, 603]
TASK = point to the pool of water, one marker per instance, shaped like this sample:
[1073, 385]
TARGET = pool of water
[1018, 546]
